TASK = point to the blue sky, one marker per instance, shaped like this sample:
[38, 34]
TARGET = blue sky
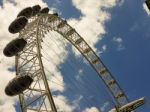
[126, 55]
[131, 65]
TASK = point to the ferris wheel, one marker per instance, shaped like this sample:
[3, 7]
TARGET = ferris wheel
[30, 83]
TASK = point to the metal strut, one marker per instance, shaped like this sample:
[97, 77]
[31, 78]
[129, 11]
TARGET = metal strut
[52, 22]
[48, 92]
[28, 62]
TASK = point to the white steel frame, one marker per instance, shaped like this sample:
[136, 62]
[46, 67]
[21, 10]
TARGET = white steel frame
[29, 62]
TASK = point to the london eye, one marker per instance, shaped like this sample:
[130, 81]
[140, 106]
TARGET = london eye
[31, 84]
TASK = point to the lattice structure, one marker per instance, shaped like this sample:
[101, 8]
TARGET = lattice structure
[28, 62]
[38, 97]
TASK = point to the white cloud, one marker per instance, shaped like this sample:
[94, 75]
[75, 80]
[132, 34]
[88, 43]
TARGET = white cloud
[76, 102]
[6, 103]
[113, 110]
[104, 48]
[8, 13]
[104, 106]
[62, 104]
[92, 109]
[120, 45]
[91, 24]
[146, 9]
[118, 39]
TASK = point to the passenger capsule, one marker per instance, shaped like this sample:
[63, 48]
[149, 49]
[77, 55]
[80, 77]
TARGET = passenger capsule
[44, 10]
[18, 24]
[148, 3]
[27, 12]
[14, 47]
[56, 14]
[36, 9]
[17, 85]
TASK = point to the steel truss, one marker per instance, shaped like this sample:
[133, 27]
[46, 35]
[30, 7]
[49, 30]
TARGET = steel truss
[28, 62]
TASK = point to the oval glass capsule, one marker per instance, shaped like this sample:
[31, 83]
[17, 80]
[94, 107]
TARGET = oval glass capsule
[18, 24]
[44, 10]
[14, 47]
[36, 9]
[17, 85]
[27, 12]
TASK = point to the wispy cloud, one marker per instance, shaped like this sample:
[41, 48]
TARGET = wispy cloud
[79, 74]
[118, 39]
[106, 104]
[119, 42]
[121, 2]
[76, 102]
[104, 48]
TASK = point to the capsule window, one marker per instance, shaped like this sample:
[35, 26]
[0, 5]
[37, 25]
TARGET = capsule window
[36, 9]
[8, 92]
[18, 24]
[16, 89]
[45, 10]
[7, 53]
[21, 23]
[27, 12]
[18, 45]
[12, 49]
[23, 84]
